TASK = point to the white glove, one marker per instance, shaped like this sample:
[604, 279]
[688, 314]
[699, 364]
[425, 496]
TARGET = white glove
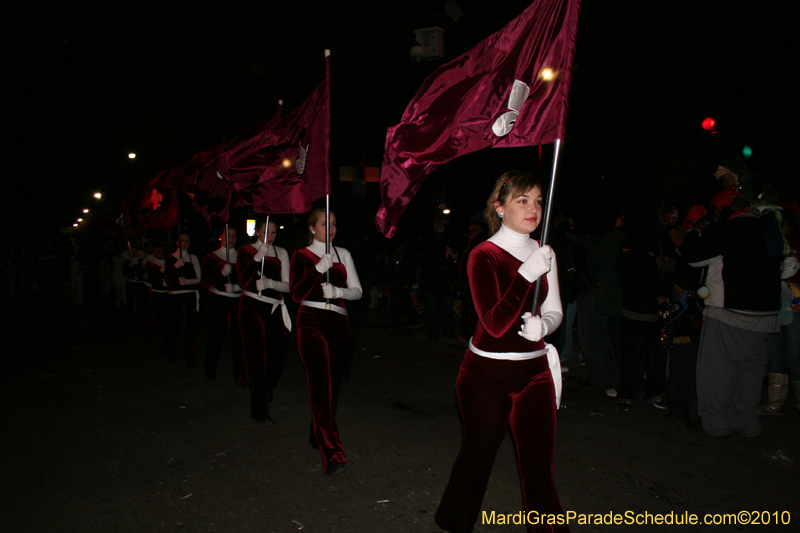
[789, 267]
[263, 284]
[537, 264]
[324, 264]
[534, 329]
[226, 269]
[331, 292]
[261, 253]
[179, 263]
[229, 287]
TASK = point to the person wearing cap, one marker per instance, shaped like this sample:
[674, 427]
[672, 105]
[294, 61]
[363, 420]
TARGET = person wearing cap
[740, 313]
[747, 188]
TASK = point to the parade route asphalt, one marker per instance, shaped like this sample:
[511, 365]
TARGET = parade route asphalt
[102, 435]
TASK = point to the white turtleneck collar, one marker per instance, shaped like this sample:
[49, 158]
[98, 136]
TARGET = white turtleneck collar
[318, 247]
[520, 245]
[220, 252]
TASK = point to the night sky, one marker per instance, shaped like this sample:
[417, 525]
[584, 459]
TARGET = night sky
[90, 84]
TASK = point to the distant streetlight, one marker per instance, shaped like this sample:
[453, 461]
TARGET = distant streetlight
[98, 195]
[80, 220]
[85, 211]
[131, 155]
[75, 225]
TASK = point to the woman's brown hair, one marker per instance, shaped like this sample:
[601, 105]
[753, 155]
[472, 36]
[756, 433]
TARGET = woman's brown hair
[313, 218]
[510, 185]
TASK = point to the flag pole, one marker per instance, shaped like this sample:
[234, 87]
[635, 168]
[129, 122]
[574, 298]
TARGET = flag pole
[327, 54]
[266, 231]
[546, 223]
[327, 242]
[227, 251]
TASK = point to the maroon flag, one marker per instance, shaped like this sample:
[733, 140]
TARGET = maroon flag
[153, 203]
[286, 165]
[111, 223]
[510, 90]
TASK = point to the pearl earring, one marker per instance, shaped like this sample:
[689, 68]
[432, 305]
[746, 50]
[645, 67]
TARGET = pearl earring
[500, 215]
[313, 232]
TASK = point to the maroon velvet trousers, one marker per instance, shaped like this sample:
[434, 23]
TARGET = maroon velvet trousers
[264, 342]
[323, 338]
[494, 394]
[223, 317]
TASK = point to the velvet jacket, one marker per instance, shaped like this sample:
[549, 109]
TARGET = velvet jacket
[307, 282]
[501, 296]
[276, 267]
[212, 277]
[190, 272]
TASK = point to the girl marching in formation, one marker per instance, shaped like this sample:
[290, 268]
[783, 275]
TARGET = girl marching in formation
[263, 272]
[321, 282]
[508, 377]
[219, 278]
[182, 277]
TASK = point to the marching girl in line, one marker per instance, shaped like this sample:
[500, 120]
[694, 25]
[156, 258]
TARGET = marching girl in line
[508, 377]
[219, 278]
[263, 329]
[133, 272]
[323, 331]
[182, 275]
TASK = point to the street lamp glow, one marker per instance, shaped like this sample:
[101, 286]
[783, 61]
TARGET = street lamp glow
[85, 211]
[98, 195]
[446, 211]
[80, 220]
[131, 156]
[75, 225]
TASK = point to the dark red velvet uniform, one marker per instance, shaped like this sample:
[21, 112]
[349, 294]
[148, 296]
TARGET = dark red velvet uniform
[182, 304]
[323, 337]
[494, 394]
[223, 317]
[263, 331]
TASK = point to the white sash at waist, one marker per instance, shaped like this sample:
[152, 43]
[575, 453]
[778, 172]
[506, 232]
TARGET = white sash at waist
[287, 321]
[553, 361]
[226, 294]
[322, 305]
[196, 294]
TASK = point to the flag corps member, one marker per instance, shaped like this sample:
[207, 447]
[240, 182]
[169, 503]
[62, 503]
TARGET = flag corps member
[219, 278]
[182, 274]
[509, 376]
[263, 318]
[323, 331]
[133, 271]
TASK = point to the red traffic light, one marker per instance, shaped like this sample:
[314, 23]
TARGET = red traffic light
[708, 124]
